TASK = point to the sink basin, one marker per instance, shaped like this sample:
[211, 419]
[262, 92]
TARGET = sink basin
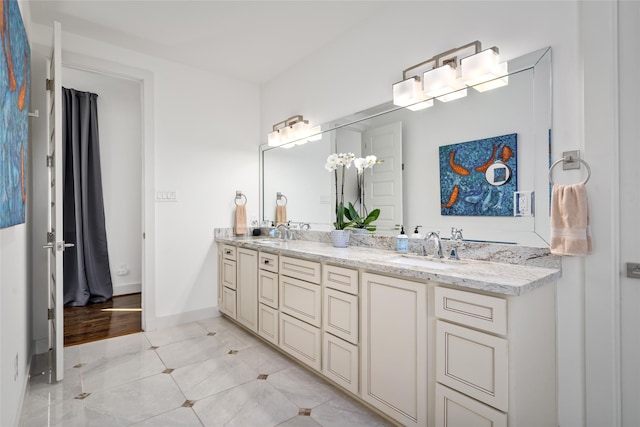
[421, 262]
[269, 242]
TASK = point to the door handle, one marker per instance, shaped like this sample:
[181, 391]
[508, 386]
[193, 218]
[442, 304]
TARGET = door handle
[60, 246]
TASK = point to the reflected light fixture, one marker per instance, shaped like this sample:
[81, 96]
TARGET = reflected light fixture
[446, 76]
[293, 131]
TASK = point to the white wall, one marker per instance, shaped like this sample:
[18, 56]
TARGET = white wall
[201, 137]
[120, 124]
[357, 71]
[15, 305]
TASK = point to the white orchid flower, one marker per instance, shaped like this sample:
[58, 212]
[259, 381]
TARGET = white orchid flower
[330, 166]
[370, 161]
[360, 164]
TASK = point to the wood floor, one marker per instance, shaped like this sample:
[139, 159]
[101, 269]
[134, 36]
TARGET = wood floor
[105, 320]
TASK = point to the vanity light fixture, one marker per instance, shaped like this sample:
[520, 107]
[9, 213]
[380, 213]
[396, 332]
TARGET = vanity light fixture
[293, 131]
[483, 71]
[446, 76]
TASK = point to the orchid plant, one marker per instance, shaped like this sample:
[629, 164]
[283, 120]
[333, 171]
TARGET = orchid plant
[353, 218]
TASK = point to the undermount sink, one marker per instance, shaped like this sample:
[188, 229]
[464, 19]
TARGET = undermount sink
[422, 262]
[269, 242]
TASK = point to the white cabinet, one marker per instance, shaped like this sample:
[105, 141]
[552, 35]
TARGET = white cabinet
[394, 347]
[300, 269]
[340, 278]
[301, 300]
[268, 319]
[247, 288]
[340, 362]
[301, 340]
[454, 409]
[227, 280]
[340, 315]
[268, 288]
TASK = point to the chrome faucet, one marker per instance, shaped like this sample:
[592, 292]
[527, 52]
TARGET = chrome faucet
[283, 231]
[437, 253]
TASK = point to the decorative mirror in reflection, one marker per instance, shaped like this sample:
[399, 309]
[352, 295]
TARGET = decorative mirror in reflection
[407, 186]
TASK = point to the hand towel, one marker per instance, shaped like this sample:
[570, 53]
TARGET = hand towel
[570, 233]
[240, 226]
[281, 214]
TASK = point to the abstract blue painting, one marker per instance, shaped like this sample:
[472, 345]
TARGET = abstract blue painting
[478, 178]
[15, 75]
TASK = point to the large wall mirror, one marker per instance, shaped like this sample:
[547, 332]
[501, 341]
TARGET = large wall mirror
[406, 185]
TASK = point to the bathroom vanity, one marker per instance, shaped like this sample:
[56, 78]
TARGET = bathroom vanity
[426, 342]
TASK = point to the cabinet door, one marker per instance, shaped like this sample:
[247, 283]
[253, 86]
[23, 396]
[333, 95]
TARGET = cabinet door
[301, 340]
[474, 363]
[340, 278]
[301, 300]
[229, 273]
[340, 362]
[340, 315]
[454, 409]
[268, 288]
[247, 288]
[268, 262]
[268, 323]
[228, 304]
[394, 347]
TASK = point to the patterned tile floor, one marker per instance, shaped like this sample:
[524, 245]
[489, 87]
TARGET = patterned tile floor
[207, 373]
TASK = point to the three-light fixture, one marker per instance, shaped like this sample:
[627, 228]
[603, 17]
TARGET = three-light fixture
[447, 76]
[293, 131]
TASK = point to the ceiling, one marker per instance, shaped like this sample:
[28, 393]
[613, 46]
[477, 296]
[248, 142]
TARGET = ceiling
[253, 41]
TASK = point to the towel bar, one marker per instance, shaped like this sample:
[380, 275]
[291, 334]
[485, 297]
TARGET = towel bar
[240, 196]
[569, 159]
[279, 197]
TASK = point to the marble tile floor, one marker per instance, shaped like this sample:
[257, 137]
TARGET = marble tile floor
[206, 373]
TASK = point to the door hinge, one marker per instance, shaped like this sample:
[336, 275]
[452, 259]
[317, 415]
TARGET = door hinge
[51, 314]
[49, 84]
[49, 161]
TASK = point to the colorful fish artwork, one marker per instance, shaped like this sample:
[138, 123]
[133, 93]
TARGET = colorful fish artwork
[14, 106]
[469, 181]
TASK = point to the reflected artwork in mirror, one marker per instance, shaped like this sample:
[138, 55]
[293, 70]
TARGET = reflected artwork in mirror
[407, 188]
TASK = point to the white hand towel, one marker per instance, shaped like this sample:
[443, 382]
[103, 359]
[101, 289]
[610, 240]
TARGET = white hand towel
[570, 233]
[240, 226]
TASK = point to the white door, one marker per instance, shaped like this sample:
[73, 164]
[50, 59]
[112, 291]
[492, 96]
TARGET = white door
[384, 181]
[55, 243]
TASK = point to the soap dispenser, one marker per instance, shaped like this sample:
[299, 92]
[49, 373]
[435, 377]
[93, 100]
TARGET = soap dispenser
[402, 241]
[416, 234]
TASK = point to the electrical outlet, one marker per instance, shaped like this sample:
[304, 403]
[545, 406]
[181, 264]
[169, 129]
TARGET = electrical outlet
[523, 203]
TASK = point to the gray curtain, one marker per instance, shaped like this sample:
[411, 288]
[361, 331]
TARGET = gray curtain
[87, 278]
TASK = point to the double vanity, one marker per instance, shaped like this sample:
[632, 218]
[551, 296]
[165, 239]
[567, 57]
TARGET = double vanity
[426, 342]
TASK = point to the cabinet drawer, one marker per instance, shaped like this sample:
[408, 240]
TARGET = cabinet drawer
[300, 269]
[228, 302]
[340, 362]
[473, 363]
[340, 278]
[229, 252]
[229, 273]
[300, 340]
[340, 314]
[268, 262]
[301, 300]
[475, 310]
[454, 409]
[268, 288]
[268, 323]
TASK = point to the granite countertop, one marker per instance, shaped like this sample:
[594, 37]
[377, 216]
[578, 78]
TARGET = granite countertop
[502, 278]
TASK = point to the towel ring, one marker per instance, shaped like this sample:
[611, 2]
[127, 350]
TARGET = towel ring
[279, 197]
[240, 196]
[567, 159]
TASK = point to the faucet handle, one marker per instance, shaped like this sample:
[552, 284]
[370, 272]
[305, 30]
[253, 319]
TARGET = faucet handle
[456, 233]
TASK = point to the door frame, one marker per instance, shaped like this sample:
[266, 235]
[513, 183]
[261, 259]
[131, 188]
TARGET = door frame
[146, 81]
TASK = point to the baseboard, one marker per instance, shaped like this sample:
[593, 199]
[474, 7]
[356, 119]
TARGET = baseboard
[179, 319]
[131, 288]
[41, 345]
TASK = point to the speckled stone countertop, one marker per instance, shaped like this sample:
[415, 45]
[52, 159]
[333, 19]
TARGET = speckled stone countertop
[499, 277]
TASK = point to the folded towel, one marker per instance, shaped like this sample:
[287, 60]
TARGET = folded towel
[240, 226]
[570, 233]
[281, 214]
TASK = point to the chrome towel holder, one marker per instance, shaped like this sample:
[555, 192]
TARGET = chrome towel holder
[279, 197]
[571, 160]
[240, 196]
